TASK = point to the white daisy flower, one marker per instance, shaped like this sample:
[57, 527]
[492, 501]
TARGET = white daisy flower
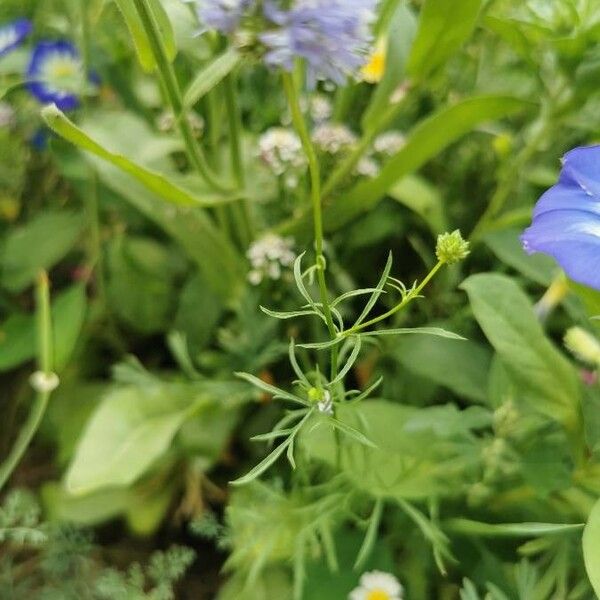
[377, 585]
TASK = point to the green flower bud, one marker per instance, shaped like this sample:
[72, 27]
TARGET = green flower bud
[451, 247]
[583, 345]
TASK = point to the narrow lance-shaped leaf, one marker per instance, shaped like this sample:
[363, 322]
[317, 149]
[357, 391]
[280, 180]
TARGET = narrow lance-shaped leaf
[591, 548]
[211, 75]
[155, 182]
[138, 33]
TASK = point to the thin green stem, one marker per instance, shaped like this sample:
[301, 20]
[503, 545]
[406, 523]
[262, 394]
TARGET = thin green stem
[174, 96]
[235, 143]
[406, 300]
[315, 193]
[45, 353]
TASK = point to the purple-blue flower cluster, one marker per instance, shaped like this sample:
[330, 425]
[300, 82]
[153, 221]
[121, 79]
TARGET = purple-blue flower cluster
[223, 15]
[566, 220]
[333, 36]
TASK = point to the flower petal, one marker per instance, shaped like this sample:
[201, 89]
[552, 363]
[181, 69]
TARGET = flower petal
[572, 237]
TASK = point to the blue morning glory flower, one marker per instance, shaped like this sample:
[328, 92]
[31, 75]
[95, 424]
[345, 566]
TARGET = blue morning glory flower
[333, 36]
[12, 34]
[566, 220]
[56, 74]
[222, 15]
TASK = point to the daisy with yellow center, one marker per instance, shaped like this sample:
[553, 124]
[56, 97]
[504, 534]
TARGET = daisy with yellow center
[377, 585]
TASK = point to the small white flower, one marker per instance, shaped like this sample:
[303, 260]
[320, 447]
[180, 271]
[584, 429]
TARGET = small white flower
[44, 382]
[333, 138]
[320, 108]
[326, 404]
[367, 167]
[281, 150]
[377, 585]
[389, 143]
[268, 257]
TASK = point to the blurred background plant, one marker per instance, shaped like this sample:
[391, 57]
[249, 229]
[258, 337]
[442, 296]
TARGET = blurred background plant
[173, 196]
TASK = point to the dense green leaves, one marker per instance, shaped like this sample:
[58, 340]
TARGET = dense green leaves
[427, 139]
[544, 377]
[38, 244]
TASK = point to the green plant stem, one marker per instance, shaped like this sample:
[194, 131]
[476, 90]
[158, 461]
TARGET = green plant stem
[407, 299]
[45, 353]
[174, 96]
[237, 163]
[315, 193]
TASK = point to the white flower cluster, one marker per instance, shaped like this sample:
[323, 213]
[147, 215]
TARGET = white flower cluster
[269, 257]
[320, 108]
[389, 143]
[333, 137]
[367, 167]
[379, 585]
[281, 150]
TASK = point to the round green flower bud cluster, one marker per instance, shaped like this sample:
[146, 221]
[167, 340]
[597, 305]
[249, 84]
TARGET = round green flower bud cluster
[451, 248]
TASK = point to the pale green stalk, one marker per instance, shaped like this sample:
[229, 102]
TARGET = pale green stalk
[45, 353]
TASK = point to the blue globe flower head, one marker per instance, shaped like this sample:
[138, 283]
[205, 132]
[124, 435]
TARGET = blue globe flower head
[566, 219]
[56, 74]
[333, 36]
[13, 34]
[222, 15]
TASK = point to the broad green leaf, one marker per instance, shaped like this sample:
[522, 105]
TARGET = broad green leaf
[155, 182]
[38, 244]
[591, 547]
[444, 26]
[544, 376]
[138, 33]
[18, 333]
[129, 431]
[477, 528]
[462, 367]
[211, 75]
[505, 244]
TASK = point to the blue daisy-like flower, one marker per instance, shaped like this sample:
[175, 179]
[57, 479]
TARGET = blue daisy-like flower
[333, 36]
[13, 34]
[566, 219]
[56, 74]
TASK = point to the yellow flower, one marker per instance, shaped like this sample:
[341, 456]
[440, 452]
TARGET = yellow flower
[374, 70]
